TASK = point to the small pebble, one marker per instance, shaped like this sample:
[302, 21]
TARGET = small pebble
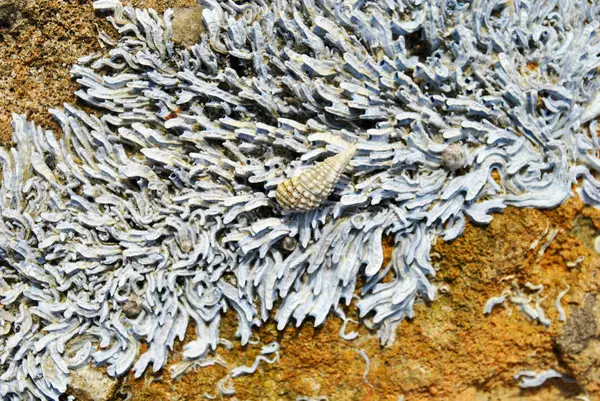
[453, 157]
[132, 308]
[597, 244]
[187, 25]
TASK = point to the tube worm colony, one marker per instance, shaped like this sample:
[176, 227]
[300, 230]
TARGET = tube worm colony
[162, 209]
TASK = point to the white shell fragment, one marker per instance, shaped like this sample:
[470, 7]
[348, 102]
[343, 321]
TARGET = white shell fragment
[530, 379]
[516, 296]
[310, 188]
[166, 208]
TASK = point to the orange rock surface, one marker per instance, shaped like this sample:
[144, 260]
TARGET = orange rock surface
[450, 350]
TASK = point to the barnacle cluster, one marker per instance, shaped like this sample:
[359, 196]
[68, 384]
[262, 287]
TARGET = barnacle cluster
[161, 208]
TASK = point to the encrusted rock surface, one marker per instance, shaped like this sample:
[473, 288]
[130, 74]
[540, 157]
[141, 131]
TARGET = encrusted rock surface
[450, 351]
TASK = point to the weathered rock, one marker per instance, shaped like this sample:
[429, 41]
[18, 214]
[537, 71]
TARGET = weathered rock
[580, 329]
[90, 384]
[187, 25]
[579, 344]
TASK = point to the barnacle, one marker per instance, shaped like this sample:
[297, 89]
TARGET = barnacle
[453, 157]
[171, 194]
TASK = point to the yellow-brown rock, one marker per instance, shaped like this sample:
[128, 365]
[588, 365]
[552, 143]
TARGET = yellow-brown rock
[187, 25]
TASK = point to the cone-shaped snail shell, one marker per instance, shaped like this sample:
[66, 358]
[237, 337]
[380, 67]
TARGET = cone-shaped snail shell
[310, 188]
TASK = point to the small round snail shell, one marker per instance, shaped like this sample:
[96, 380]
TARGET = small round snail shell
[289, 243]
[310, 188]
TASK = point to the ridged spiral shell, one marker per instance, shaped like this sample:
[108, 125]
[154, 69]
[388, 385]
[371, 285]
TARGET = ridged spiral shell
[309, 189]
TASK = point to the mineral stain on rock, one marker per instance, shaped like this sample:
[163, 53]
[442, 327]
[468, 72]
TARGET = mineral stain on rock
[578, 346]
[580, 329]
